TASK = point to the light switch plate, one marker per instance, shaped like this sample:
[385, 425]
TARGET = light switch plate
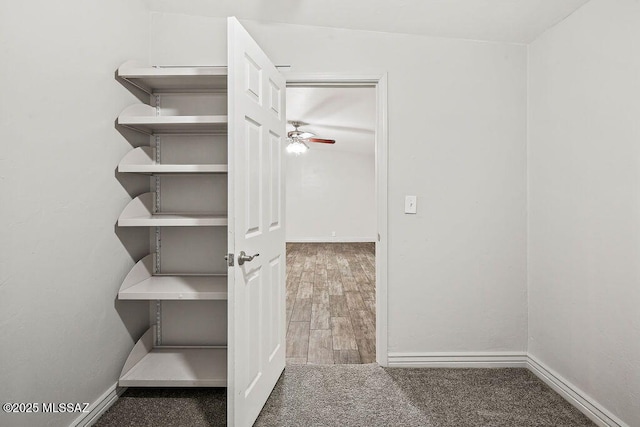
[410, 204]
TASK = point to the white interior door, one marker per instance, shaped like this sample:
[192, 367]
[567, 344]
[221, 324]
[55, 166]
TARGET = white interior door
[257, 126]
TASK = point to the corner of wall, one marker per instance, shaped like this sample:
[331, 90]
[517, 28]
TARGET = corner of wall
[527, 143]
[591, 408]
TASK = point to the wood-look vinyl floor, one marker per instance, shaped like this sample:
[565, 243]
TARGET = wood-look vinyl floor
[331, 303]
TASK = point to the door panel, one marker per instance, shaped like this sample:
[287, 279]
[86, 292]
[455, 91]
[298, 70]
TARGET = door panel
[275, 147]
[275, 300]
[253, 178]
[257, 126]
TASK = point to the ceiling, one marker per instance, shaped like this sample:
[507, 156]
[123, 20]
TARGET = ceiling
[513, 21]
[346, 114]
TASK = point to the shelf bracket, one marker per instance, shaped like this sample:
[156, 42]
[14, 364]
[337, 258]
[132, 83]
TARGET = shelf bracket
[158, 268]
[157, 99]
[156, 177]
[157, 147]
[158, 322]
[158, 265]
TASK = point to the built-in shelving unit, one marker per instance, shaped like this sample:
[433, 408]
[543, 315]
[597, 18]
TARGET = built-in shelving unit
[177, 288]
[174, 79]
[143, 118]
[149, 365]
[182, 113]
[142, 160]
[140, 213]
[142, 284]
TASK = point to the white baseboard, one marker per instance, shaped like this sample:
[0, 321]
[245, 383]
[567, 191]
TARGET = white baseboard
[584, 403]
[458, 360]
[576, 397]
[99, 407]
[333, 240]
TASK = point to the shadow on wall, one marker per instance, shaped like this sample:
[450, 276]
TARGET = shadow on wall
[134, 90]
[129, 313]
[134, 239]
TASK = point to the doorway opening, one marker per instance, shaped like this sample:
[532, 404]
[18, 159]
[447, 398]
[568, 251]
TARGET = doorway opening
[336, 235]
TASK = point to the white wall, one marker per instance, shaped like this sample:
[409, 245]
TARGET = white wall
[331, 191]
[584, 217]
[457, 140]
[63, 337]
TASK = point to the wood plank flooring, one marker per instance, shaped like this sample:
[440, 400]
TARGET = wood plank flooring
[331, 303]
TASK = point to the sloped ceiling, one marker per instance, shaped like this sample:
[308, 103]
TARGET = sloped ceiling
[512, 21]
[347, 115]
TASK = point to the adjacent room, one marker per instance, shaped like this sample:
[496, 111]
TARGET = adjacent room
[331, 225]
[294, 213]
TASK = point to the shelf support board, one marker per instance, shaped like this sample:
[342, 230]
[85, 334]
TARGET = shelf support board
[135, 129]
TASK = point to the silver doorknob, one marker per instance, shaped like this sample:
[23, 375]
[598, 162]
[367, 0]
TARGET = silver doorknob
[243, 257]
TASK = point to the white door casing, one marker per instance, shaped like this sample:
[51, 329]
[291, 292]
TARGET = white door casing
[257, 312]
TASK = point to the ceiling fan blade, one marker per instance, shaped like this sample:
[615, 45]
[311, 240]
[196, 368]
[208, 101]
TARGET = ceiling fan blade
[322, 141]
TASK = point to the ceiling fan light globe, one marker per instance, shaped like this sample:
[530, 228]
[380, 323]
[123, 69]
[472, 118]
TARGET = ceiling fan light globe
[297, 148]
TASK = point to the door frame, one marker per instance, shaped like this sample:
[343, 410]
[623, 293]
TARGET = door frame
[379, 82]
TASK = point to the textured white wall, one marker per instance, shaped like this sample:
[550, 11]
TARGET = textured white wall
[584, 218]
[331, 191]
[63, 337]
[457, 140]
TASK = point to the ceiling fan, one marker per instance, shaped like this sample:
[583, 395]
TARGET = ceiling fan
[298, 139]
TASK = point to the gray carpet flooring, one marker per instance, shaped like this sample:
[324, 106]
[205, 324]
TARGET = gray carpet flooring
[365, 395]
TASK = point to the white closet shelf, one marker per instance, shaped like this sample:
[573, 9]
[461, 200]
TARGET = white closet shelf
[177, 288]
[139, 213]
[149, 366]
[141, 284]
[140, 160]
[143, 118]
[174, 79]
